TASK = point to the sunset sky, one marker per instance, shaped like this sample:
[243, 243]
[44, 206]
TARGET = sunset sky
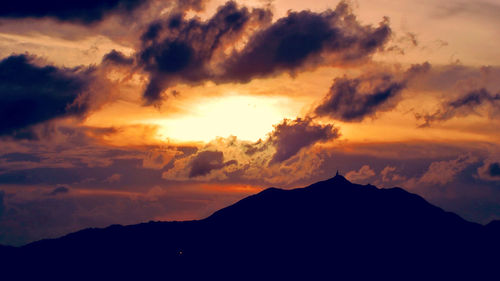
[125, 111]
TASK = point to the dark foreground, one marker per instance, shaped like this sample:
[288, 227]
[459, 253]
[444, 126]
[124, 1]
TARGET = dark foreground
[331, 230]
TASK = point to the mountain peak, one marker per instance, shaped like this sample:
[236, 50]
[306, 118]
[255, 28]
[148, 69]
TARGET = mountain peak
[338, 178]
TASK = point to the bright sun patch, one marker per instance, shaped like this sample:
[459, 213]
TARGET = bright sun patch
[246, 117]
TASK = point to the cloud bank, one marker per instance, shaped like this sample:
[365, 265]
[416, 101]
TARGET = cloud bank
[31, 94]
[180, 50]
[84, 11]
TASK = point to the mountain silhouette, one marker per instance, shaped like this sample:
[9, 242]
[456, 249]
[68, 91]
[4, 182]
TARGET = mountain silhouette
[330, 230]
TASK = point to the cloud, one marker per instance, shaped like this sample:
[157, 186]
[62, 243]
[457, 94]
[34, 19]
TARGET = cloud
[306, 39]
[158, 158]
[31, 94]
[470, 103]
[117, 58]
[20, 157]
[490, 171]
[180, 50]
[113, 178]
[443, 172]
[354, 99]
[494, 169]
[206, 161]
[94, 204]
[362, 174]
[287, 155]
[455, 79]
[457, 91]
[59, 190]
[196, 5]
[84, 11]
[413, 38]
[481, 9]
[238, 45]
[386, 171]
[388, 174]
[290, 136]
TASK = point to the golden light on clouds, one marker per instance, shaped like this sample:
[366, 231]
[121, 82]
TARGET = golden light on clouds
[246, 117]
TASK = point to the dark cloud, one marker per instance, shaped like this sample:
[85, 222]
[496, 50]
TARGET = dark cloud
[191, 51]
[474, 98]
[206, 161]
[494, 169]
[154, 28]
[59, 190]
[290, 137]
[31, 94]
[117, 58]
[304, 39]
[85, 11]
[355, 99]
[180, 50]
[463, 106]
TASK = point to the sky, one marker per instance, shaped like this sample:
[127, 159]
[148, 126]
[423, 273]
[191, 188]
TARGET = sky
[126, 111]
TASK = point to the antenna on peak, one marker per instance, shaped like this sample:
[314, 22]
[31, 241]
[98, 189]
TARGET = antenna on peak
[337, 173]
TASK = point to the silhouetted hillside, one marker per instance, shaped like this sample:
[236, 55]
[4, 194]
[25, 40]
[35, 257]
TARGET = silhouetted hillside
[494, 225]
[330, 230]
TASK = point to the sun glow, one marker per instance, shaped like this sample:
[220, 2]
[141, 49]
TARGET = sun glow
[246, 117]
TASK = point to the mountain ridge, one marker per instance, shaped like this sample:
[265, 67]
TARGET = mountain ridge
[328, 229]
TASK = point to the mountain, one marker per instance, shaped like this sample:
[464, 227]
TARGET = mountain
[331, 230]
